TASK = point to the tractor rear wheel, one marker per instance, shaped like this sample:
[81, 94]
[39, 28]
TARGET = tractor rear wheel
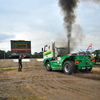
[48, 67]
[74, 67]
[68, 67]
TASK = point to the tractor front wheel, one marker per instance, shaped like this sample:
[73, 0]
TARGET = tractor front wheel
[48, 68]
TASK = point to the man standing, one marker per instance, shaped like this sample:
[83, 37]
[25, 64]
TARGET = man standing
[20, 63]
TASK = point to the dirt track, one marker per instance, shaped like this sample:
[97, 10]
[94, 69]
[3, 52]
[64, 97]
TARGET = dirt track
[54, 85]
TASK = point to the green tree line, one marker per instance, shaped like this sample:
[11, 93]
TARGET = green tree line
[7, 55]
[38, 55]
[4, 55]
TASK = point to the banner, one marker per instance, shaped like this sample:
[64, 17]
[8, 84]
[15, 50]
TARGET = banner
[23, 60]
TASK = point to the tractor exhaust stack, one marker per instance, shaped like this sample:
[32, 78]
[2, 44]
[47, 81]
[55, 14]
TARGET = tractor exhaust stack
[68, 46]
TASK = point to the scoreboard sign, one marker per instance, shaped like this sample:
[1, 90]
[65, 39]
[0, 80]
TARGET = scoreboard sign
[20, 47]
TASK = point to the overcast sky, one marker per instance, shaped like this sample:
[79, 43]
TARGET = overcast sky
[41, 21]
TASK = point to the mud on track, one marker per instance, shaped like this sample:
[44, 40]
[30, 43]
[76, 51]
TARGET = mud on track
[54, 85]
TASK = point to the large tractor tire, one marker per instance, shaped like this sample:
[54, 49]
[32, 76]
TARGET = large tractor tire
[69, 67]
[48, 67]
[74, 67]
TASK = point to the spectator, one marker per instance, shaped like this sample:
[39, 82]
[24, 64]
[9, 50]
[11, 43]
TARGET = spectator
[20, 63]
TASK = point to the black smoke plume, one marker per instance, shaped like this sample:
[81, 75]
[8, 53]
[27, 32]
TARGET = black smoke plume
[67, 7]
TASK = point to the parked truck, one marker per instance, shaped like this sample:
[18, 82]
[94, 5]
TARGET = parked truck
[56, 58]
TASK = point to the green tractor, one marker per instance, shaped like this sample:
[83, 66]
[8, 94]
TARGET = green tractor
[56, 58]
[96, 54]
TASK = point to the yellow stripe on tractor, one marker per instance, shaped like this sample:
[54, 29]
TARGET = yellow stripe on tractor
[47, 52]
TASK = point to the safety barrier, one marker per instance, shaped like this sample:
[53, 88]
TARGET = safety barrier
[4, 63]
